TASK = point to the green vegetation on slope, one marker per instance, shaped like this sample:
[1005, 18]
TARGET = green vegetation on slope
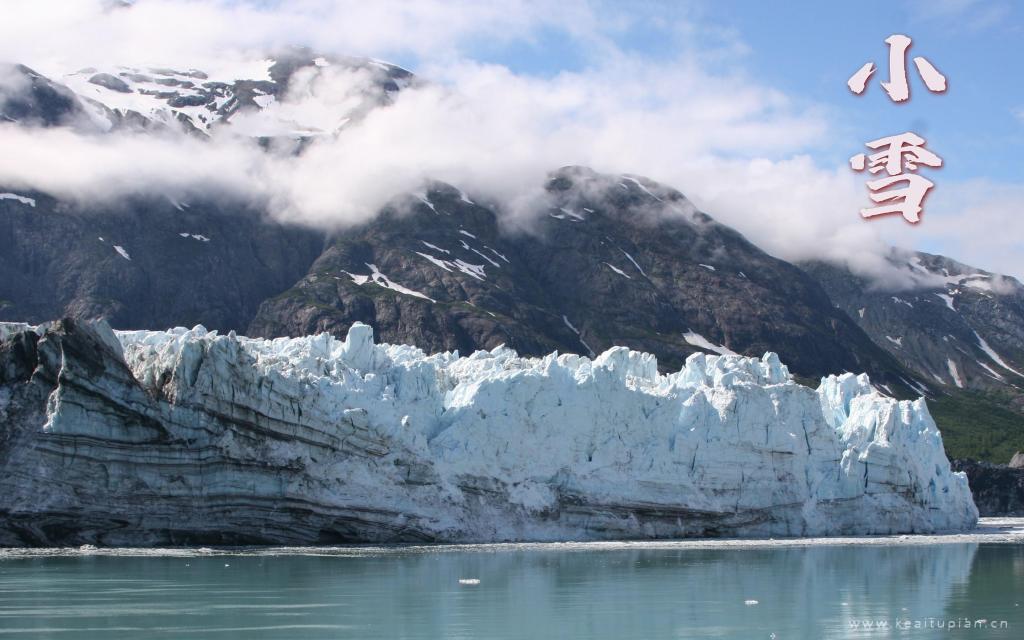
[978, 426]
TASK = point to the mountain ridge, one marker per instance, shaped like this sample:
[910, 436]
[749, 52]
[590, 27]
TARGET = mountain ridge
[611, 259]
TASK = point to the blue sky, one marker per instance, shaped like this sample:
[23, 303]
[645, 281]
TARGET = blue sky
[809, 49]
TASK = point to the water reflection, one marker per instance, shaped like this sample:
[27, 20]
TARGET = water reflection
[816, 592]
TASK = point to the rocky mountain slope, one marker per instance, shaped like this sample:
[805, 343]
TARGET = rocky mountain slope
[611, 260]
[144, 261]
[998, 489]
[960, 329]
[149, 438]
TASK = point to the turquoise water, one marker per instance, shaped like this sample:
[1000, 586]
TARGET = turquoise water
[582, 591]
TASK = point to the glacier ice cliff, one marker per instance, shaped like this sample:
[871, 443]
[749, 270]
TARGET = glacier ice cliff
[188, 437]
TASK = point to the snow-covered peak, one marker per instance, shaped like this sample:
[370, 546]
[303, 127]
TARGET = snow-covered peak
[944, 273]
[263, 97]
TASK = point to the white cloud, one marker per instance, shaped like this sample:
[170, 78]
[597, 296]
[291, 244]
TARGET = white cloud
[978, 222]
[59, 35]
[963, 15]
[738, 148]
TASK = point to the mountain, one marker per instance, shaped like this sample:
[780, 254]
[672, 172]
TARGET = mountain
[187, 437]
[599, 260]
[998, 489]
[247, 98]
[144, 261]
[148, 260]
[28, 98]
[611, 260]
[961, 330]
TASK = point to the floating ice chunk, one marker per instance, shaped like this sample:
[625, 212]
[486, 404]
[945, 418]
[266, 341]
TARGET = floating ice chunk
[707, 266]
[120, 250]
[470, 581]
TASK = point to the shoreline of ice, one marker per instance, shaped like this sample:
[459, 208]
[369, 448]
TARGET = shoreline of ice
[988, 531]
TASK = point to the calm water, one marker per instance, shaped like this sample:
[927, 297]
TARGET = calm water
[811, 592]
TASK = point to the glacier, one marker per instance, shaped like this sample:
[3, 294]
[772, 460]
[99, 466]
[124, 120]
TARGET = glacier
[186, 436]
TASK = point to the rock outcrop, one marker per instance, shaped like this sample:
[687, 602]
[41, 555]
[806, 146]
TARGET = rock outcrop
[998, 489]
[187, 436]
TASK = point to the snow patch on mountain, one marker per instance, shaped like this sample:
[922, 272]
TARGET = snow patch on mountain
[630, 258]
[697, 340]
[435, 247]
[618, 271]
[968, 277]
[990, 352]
[22, 199]
[948, 300]
[378, 278]
[955, 373]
